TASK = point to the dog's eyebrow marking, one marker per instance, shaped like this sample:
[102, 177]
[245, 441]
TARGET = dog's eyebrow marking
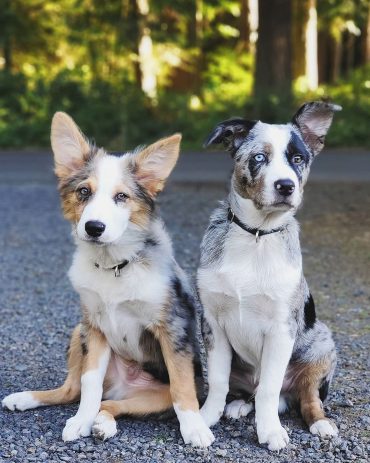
[296, 145]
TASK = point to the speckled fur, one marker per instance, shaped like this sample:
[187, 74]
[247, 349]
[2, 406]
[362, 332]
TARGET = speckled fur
[261, 330]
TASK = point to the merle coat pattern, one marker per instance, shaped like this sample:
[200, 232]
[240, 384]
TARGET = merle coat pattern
[260, 327]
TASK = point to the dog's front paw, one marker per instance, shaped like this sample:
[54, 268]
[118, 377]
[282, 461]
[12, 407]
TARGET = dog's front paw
[211, 414]
[75, 428]
[104, 426]
[20, 401]
[324, 428]
[197, 433]
[193, 429]
[275, 437]
[237, 408]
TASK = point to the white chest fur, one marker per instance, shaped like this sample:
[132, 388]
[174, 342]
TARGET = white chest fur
[121, 307]
[250, 290]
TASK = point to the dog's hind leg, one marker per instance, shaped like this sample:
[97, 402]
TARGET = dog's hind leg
[311, 388]
[67, 393]
[143, 402]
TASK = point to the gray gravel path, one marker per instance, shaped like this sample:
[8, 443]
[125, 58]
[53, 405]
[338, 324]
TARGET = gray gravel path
[38, 309]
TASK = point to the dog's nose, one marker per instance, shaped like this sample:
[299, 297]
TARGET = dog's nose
[285, 187]
[94, 228]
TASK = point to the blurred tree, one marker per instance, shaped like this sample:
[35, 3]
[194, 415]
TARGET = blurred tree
[304, 41]
[365, 46]
[273, 74]
[26, 26]
[244, 28]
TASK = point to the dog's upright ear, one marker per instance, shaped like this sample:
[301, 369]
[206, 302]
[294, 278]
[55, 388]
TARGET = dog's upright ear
[69, 145]
[313, 121]
[231, 133]
[154, 163]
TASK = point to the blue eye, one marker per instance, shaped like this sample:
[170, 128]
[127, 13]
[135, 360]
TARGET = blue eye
[259, 157]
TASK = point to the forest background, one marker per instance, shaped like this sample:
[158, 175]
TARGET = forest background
[130, 71]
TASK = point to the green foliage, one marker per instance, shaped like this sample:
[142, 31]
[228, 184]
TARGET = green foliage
[81, 56]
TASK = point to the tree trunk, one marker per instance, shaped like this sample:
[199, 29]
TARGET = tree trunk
[244, 26]
[300, 19]
[366, 40]
[195, 23]
[312, 71]
[273, 74]
[304, 39]
[7, 38]
[337, 49]
[8, 55]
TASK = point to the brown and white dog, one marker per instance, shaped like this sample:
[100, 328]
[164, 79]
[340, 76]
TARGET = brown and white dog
[136, 346]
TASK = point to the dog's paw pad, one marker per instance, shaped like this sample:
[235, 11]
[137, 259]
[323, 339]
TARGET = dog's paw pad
[324, 428]
[276, 439]
[75, 428]
[237, 408]
[104, 426]
[20, 401]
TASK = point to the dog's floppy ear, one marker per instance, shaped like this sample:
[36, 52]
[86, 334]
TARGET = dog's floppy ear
[69, 145]
[154, 163]
[231, 133]
[313, 120]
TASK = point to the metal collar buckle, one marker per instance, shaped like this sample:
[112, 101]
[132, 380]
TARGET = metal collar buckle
[257, 236]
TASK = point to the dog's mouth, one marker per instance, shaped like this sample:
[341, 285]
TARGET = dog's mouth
[282, 204]
[95, 241]
[278, 206]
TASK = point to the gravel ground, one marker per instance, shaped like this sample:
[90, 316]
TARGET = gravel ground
[38, 309]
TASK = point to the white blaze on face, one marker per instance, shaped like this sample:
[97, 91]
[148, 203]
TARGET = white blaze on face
[102, 206]
[278, 136]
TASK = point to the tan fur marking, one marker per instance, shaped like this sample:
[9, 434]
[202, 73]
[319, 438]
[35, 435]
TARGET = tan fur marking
[181, 372]
[72, 208]
[142, 403]
[70, 391]
[96, 344]
[307, 387]
[140, 214]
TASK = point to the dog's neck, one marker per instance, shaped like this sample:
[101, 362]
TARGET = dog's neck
[252, 217]
[128, 247]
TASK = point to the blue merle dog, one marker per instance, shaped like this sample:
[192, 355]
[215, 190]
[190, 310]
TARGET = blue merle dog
[260, 327]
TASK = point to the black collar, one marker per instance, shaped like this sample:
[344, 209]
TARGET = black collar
[117, 268]
[254, 231]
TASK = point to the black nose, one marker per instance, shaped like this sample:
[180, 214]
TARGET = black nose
[94, 228]
[285, 187]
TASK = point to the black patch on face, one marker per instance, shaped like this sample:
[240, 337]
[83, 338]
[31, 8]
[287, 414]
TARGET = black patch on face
[296, 146]
[254, 168]
[309, 313]
[144, 196]
[324, 389]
